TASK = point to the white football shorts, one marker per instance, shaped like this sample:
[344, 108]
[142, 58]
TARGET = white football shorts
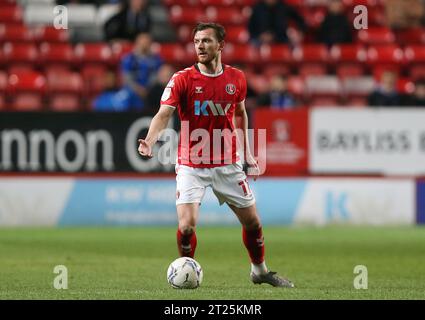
[228, 182]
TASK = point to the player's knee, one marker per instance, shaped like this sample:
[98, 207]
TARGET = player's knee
[187, 229]
[253, 224]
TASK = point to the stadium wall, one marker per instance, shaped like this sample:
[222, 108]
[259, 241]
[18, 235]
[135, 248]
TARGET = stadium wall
[63, 201]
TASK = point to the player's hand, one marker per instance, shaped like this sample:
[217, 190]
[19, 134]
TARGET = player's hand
[144, 149]
[253, 168]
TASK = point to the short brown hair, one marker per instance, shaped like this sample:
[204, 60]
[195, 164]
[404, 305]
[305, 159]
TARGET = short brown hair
[220, 32]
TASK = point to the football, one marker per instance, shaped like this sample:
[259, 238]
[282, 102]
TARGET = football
[184, 273]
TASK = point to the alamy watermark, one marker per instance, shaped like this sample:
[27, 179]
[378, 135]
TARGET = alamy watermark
[361, 20]
[61, 280]
[361, 280]
[60, 17]
[198, 146]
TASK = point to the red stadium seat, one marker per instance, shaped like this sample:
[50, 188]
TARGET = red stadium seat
[385, 54]
[237, 34]
[27, 90]
[414, 36]
[15, 33]
[65, 82]
[50, 34]
[54, 53]
[26, 82]
[171, 52]
[22, 54]
[312, 69]
[349, 70]
[415, 54]
[405, 86]
[10, 13]
[94, 79]
[240, 53]
[311, 53]
[325, 102]
[184, 33]
[227, 15]
[272, 69]
[376, 36]
[348, 53]
[27, 102]
[186, 15]
[94, 53]
[65, 102]
[275, 53]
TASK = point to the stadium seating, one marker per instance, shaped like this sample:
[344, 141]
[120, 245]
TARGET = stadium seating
[29, 44]
[93, 53]
[376, 35]
[275, 53]
[20, 55]
[413, 36]
[15, 33]
[27, 90]
[56, 53]
[51, 34]
[64, 102]
[10, 12]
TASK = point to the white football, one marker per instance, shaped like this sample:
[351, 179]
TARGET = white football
[185, 273]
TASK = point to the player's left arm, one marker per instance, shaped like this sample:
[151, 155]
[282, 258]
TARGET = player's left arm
[241, 121]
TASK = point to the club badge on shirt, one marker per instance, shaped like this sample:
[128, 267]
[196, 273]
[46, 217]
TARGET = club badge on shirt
[230, 88]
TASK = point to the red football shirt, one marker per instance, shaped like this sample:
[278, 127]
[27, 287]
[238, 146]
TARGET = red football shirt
[206, 106]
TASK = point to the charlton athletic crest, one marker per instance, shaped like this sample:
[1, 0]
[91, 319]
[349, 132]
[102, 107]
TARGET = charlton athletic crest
[230, 88]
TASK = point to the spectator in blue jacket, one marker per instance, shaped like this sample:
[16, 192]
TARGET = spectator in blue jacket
[138, 69]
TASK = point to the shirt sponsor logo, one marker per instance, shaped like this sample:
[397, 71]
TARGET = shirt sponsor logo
[201, 108]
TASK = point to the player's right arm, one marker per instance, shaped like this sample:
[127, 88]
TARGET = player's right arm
[170, 100]
[159, 123]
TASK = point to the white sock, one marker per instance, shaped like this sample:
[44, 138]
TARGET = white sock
[259, 268]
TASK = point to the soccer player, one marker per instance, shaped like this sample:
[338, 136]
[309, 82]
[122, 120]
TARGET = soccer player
[207, 96]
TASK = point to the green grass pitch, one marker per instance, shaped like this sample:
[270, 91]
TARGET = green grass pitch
[131, 263]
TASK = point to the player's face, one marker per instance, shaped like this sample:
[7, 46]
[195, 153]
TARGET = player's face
[206, 45]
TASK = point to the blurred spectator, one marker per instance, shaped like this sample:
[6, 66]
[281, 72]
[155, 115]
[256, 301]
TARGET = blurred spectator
[269, 22]
[132, 19]
[405, 13]
[417, 98]
[138, 69]
[278, 97]
[335, 27]
[386, 93]
[164, 75]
